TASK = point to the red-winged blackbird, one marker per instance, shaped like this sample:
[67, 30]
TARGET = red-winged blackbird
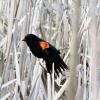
[47, 52]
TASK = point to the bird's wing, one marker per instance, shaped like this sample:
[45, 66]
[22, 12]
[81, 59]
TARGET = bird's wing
[45, 45]
[48, 65]
[52, 55]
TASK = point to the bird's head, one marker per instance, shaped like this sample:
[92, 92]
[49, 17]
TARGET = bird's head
[30, 38]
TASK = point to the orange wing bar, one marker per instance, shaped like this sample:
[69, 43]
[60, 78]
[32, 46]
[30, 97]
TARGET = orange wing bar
[44, 45]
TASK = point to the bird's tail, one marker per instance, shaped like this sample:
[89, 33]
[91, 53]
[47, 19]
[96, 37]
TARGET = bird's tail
[59, 66]
[63, 65]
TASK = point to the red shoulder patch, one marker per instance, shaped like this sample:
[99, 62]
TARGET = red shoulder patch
[44, 45]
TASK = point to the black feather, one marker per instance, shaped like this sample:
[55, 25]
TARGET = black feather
[50, 55]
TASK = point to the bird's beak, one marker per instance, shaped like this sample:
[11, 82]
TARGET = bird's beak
[23, 39]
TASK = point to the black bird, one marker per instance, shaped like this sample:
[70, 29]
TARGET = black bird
[42, 49]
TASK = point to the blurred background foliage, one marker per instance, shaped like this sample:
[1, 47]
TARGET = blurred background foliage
[72, 26]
